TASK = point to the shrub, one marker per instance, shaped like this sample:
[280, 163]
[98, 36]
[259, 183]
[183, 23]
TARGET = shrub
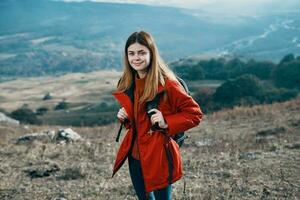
[25, 115]
[62, 105]
[47, 97]
[204, 97]
[234, 90]
[279, 95]
[41, 111]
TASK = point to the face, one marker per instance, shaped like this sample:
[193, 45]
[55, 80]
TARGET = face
[138, 57]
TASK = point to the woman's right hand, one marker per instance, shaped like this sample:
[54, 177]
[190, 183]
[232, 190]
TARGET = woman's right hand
[122, 115]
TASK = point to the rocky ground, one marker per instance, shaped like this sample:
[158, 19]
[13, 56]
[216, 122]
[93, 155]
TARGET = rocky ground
[243, 153]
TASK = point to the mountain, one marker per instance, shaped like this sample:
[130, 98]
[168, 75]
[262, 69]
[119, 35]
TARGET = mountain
[40, 37]
[279, 38]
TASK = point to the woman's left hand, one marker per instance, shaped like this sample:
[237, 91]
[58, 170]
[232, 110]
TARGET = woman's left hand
[158, 117]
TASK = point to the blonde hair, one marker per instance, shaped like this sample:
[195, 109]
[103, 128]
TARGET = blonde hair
[158, 70]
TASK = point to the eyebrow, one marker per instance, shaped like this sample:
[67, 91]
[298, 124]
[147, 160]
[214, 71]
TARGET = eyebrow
[138, 51]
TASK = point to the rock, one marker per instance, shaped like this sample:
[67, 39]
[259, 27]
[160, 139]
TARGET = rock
[204, 142]
[46, 136]
[67, 135]
[4, 118]
[249, 155]
[61, 136]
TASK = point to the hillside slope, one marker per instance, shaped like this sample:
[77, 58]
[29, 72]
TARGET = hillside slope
[244, 153]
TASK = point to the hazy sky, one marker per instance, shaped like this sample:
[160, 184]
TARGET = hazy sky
[243, 5]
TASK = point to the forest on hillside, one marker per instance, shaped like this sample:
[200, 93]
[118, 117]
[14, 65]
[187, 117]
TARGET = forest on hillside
[245, 82]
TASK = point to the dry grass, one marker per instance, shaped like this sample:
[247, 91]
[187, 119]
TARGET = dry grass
[222, 160]
[75, 88]
[270, 109]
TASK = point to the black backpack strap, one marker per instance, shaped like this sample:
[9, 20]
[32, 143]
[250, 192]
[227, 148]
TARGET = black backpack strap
[184, 85]
[150, 105]
[119, 132]
[129, 92]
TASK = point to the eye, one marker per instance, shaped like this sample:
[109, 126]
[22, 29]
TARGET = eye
[130, 53]
[143, 53]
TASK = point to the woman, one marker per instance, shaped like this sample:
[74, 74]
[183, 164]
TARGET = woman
[145, 76]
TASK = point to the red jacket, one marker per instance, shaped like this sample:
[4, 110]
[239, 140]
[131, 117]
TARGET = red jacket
[180, 112]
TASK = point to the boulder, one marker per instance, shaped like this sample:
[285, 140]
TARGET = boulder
[4, 118]
[61, 136]
[67, 135]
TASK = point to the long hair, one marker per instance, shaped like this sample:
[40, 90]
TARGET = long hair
[157, 69]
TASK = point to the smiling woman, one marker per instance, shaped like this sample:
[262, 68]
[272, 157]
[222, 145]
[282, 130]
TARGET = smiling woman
[153, 156]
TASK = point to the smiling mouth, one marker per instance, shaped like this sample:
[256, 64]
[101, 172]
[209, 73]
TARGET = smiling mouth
[138, 63]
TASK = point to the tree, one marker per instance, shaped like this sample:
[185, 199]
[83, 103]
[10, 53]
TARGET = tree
[189, 71]
[260, 69]
[196, 73]
[214, 68]
[287, 74]
[288, 58]
[235, 67]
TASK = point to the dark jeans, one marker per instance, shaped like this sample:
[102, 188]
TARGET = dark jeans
[138, 183]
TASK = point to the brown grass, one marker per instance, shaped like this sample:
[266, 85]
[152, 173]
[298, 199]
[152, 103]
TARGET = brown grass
[75, 88]
[233, 166]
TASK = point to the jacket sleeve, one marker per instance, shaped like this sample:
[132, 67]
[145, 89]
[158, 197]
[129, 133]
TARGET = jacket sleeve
[188, 113]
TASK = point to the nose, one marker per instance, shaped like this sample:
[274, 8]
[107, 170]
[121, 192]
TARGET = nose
[136, 57]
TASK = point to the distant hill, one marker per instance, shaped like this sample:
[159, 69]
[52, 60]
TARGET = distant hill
[39, 37]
